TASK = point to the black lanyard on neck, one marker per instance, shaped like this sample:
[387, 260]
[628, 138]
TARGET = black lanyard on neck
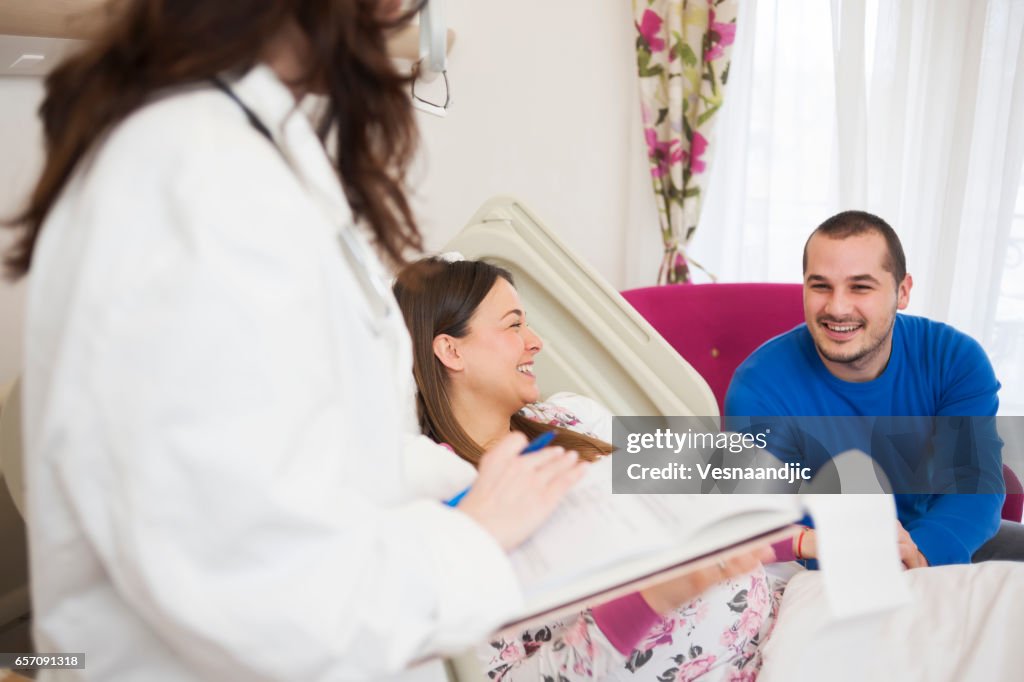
[253, 120]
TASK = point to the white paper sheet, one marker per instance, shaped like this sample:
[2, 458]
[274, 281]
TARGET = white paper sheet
[857, 547]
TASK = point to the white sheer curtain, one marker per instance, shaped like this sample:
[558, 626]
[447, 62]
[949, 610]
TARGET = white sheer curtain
[910, 109]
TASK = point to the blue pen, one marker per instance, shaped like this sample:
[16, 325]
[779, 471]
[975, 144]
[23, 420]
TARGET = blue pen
[538, 443]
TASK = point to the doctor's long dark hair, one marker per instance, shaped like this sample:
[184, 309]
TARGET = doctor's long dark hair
[151, 45]
[440, 297]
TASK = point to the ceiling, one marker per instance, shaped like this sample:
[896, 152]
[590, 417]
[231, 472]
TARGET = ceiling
[32, 56]
[36, 34]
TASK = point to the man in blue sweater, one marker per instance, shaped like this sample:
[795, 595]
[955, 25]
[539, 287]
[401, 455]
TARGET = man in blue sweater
[856, 357]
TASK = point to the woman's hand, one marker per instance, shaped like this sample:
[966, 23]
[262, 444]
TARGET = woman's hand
[513, 495]
[674, 593]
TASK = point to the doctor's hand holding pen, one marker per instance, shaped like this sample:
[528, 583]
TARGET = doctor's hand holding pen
[513, 495]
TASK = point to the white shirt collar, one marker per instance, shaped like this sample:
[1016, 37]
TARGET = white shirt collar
[267, 96]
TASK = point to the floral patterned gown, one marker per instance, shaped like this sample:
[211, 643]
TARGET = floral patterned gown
[714, 637]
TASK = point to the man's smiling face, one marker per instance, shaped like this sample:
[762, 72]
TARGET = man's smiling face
[850, 303]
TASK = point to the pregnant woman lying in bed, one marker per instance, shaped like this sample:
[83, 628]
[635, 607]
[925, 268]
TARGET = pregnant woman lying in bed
[473, 365]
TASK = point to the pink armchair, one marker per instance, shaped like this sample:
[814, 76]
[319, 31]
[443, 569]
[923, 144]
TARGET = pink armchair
[716, 326]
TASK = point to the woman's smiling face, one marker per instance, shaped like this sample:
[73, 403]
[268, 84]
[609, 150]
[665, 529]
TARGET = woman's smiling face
[498, 351]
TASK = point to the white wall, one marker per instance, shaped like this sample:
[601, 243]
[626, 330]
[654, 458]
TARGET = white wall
[546, 108]
[21, 155]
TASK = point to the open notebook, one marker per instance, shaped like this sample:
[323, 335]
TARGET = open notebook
[597, 545]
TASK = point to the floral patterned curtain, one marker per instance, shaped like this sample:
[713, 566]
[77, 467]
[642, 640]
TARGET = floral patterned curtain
[682, 50]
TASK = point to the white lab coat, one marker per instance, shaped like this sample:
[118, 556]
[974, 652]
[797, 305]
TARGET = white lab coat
[214, 418]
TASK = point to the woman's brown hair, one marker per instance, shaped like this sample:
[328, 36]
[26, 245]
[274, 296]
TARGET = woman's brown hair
[152, 45]
[440, 297]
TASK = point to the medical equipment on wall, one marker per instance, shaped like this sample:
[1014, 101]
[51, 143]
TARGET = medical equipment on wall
[433, 58]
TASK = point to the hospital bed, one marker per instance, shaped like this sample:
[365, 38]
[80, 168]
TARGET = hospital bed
[595, 343]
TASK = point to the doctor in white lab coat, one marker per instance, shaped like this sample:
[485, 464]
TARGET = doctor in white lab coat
[218, 382]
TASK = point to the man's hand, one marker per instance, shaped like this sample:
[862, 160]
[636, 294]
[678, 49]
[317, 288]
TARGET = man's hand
[910, 555]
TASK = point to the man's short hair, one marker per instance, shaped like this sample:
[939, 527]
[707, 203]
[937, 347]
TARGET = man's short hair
[853, 223]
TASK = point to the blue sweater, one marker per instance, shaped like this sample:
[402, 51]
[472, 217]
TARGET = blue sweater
[934, 370]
